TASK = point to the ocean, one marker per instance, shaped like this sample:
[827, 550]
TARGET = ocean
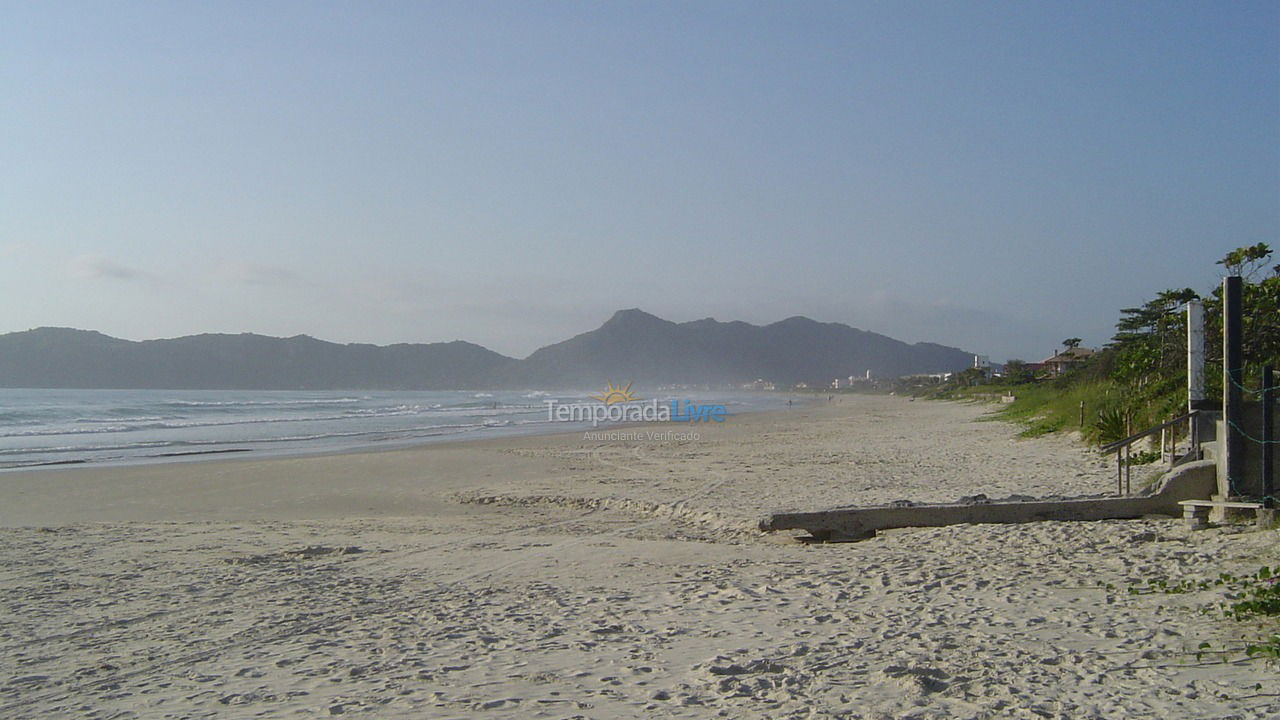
[41, 427]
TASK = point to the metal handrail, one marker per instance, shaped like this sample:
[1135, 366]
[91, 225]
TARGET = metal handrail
[1121, 447]
[1116, 445]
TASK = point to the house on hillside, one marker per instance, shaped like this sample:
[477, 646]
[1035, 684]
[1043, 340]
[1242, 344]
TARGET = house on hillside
[983, 364]
[1065, 360]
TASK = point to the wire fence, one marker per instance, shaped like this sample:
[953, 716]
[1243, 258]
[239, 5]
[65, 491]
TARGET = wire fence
[1265, 394]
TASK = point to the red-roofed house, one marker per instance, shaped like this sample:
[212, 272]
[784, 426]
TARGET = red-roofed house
[1066, 360]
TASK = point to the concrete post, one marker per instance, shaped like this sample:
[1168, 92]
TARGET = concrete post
[1268, 436]
[1232, 381]
[1195, 356]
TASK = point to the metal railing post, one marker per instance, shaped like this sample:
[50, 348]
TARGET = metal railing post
[1128, 470]
[1123, 448]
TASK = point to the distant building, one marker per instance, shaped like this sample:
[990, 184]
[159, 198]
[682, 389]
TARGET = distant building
[852, 380]
[983, 363]
[1063, 361]
[931, 378]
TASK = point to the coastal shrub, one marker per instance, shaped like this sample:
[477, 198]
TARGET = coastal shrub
[1110, 410]
[1139, 380]
[1145, 457]
[1247, 598]
[1110, 425]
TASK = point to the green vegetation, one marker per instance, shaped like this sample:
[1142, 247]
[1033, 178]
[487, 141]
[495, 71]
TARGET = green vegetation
[1247, 598]
[1144, 457]
[1051, 406]
[1139, 379]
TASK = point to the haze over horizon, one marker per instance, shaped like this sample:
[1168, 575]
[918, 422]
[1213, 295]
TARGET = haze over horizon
[993, 177]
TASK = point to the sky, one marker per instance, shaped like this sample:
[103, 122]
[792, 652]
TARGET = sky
[989, 175]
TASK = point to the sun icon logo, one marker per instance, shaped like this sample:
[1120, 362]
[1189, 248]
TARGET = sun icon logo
[613, 395]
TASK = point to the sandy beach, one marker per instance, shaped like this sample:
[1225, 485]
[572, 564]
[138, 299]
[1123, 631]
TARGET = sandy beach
[611, 577]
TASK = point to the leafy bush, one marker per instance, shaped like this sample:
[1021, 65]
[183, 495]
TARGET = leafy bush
[1146, 457]
[1110, 425]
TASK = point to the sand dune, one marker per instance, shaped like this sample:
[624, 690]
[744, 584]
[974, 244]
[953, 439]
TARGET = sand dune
[551, 577]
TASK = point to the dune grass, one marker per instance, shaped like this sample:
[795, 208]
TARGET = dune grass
[1111, 410]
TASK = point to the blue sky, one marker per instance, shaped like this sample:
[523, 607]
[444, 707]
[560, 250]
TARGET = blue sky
[996, 176]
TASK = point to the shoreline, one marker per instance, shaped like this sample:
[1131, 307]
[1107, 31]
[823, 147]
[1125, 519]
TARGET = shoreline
[551, 577]
[494, 433]
[134, 492]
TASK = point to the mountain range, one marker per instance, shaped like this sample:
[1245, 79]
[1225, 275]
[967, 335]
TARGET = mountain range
[632, 346]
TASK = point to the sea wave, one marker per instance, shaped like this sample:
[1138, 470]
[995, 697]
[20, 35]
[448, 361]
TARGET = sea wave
[39, 427]
[97, 451]
[261, 403]
[104, 425]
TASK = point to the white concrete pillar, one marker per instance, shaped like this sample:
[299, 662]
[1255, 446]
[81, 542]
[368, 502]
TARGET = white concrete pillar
[1195, 355]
